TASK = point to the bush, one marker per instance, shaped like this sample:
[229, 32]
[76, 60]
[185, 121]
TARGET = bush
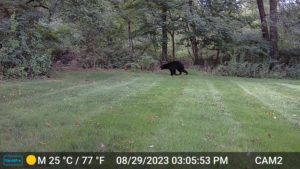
[258, 70]
[34, 66]
[39, 65]
[283, 71]
[243, 68]
[23, 52]
[17, 72]
[91, 60]
[117, 57]
[147, 62]
[64, 56]
[293, 72]
[289, 57]
[132, 66]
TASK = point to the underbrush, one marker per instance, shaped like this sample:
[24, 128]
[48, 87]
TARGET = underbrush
[258, 70]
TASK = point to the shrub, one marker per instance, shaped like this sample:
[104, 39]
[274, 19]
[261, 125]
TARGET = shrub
[23, 52]
[283, 71]
[132, 66]
[289, 57]
[39, 65]
[87, 61]
[243, 68]
[64, 56]
[18, 58]
[17, 72]
[293, 72]
[258, 70]
[147, 62]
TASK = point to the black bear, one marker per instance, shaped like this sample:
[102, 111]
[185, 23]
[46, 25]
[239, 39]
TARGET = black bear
[173, 66]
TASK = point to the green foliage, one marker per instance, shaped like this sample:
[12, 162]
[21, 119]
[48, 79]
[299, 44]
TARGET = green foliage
[113, 34]
[89, 60]
[293, 72]
[148, 62]
[282, 71]
[243, 69]
[249, 58]
[16, 72]
[39, 65]
[290, 56]
[20, 59]
[13, 22]
[289, 25]
[258, 70]
[132, 67]
[23, 53]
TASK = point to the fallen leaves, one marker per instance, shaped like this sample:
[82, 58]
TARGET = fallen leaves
[152, 118]
[271, 115]
[42, 143]
[77, 124]
[48, 124]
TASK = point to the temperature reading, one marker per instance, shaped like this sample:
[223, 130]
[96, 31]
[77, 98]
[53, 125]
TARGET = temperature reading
[100, 159]
[83, 160]
[69, 160]
[87, 160]
[54, 160]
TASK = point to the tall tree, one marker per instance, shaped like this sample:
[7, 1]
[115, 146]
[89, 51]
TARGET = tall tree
[164, 33]
[263, 19]
[193, 38]
[175, 23]
[273, 29]
[127, 15]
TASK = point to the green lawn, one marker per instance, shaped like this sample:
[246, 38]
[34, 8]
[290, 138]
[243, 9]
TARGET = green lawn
[121, 111]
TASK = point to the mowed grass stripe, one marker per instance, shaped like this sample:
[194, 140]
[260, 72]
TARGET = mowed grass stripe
[279, 100]
[10, 93]
[24, 90]
[297, 87]
[230, 134]
[262, 131]
[65, 101]
[129, 125]
[197, 121]
[121, 111]
[61, 113]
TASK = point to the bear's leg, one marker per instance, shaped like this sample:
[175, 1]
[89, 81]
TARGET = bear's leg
[180, 71]
[185, 72]
[173, 72]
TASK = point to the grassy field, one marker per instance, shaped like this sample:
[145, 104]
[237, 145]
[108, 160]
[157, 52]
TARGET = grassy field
[121, 111]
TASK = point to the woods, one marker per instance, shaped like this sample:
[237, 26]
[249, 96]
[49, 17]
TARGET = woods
[236, 37]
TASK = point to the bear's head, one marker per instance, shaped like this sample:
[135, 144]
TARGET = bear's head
[164, 66]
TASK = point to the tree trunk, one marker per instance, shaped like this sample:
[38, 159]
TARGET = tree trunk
[193, 39]
[130, 41]
[264, 24]
[164, 34]
[195, 50]
[273, 30]
[173, 45]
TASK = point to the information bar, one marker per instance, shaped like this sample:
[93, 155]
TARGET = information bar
[186, 160]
